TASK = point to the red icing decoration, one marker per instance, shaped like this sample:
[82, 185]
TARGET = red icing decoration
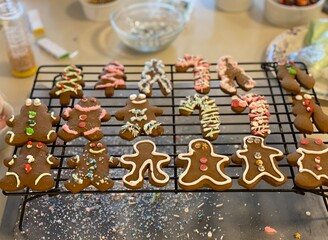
[83, 117]
[82, 124]
[29, 143]
[203, 160]
[306, 102]
[84, 99]
[99, 145]
[318, 167]
[310, 108]
[235, 103]
[27, 168]
[39, 145]
[203, 167]
[93, 100]
[318, 141]
[62, 86]
[92, 145]
[304, 141]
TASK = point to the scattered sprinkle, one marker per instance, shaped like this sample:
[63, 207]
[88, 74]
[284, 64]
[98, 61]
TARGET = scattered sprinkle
[308, 213]
[297, 235]
[219, 205]
[200, 205]
[269, 230]
[209, 234]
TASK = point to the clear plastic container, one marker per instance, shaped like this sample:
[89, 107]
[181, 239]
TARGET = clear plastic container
[15, 30]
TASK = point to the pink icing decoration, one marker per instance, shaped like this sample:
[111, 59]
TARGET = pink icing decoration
[67, 129]
[86, 109]
[91, 131]
[103, 113]
[82, 124]
[67, 112]
[203, 160]
[304, 141]
[203, 167]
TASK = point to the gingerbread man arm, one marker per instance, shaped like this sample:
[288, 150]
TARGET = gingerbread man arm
[320, 119]
[55, 118]
[157, 111]
[66, 113]
[73, 161]
[53, 161]
[120, 114]
[293, 158]
[11, 121]
[8, 162]
[104, 117]
[113, 161]
[180, 160]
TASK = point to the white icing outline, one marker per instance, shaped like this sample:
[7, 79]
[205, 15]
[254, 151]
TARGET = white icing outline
[12, 135]
[265, 173]
[185, 157]
[145, 163]
[48, 159]
[301, 169]
[41, 176]
[49, 133]
[16, 176]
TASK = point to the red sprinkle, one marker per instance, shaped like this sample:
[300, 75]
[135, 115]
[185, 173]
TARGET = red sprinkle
[27, 168]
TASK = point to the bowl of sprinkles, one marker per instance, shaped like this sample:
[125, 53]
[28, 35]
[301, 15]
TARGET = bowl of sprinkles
[292, 13]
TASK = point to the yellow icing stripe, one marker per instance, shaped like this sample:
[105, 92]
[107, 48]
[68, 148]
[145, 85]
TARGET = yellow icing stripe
[41, 176]
[16, 176]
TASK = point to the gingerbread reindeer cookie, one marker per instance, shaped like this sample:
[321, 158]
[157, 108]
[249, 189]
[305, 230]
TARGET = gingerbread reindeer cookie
[69, 85]
[208, 114]
[292, 78]
[139, 117]
[311, 158]
[83, 120]
[154, 71]
[229, 71]
[31, 168]
[259, 162]
[307, 113]
[258, 112]
[34, 123]
[112, 77]
[203, 167]
[91, 168]
[201, 70]
[145, 158]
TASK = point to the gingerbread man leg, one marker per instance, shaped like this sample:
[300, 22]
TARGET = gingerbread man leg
[66, 135]
[75, 187]
[93, 134]
[16, 139]
[45, 182]
[104, 185]
[11, 182]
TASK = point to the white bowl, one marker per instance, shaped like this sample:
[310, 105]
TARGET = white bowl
[233, 5]
[7, 110]
[98, 12]
[291, 16]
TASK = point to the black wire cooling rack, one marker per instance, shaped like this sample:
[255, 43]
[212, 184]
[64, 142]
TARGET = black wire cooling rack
[179, 130]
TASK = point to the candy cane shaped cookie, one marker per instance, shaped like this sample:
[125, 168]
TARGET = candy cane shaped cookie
[228, 70]
[112, 77]
[208, 113]
[154, 71]
[201, 70]
[258, 112]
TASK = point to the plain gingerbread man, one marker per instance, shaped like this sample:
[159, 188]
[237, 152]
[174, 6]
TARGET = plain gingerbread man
[91, 168]
[84, 120]
[139, 117]
[31, 168]
[34, 123]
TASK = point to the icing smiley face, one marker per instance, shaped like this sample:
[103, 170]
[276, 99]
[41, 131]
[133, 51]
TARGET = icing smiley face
[97, 148]
[138, 99]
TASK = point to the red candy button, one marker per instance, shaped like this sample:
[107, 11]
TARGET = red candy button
[318, 141]
[304, 141]
[82, 124]
[83, 117]
[203, 160]
[203, 167]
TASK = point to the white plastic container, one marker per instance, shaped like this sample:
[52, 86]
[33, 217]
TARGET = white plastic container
[98, 12]
[233, 5]
[291, 16]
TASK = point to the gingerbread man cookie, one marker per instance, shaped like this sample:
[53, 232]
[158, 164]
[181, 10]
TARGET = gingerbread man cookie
[145, 158]
[34, 123]
[307, 113]
[208, 114]
[139, 117]
[228, 70]
[292, 78]
[69, 86]
[311, 157]
[83, 120]
[31, 168]
[259, 162]
[91, 168]
[258, 112]
[201, 70]
[112, 77]
[154, 71]
[203, 167]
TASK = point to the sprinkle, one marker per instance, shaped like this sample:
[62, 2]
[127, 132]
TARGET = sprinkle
[221, 218]
[297, 235]
[219, 205]
[270, 230]
[186, 210]
[209, 234]
[196, 230]
[175, 215]
[222, 237]
[200, 205]
[308, 213]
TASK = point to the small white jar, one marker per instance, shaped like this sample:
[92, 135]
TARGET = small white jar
[98, 12]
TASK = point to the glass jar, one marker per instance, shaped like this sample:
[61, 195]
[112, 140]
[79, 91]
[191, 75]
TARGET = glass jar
[18, 46]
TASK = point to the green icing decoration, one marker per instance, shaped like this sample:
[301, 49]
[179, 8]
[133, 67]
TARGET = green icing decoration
[29, 131]
[31, 114]
[292, 71]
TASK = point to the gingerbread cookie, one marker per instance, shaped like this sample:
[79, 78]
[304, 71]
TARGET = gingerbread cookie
[307, 113]
[139, 117]
[34, 123]
[292, 78]
[83, 120]
[91, 168]
[311, 157]
[258, 112]
[228, 71]
[69, 85]
[203, 167]
[31, 168]
[208, 114]
[259, 162]
[154, 71]
[201, 70]
[112, 77]
[145, 158]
